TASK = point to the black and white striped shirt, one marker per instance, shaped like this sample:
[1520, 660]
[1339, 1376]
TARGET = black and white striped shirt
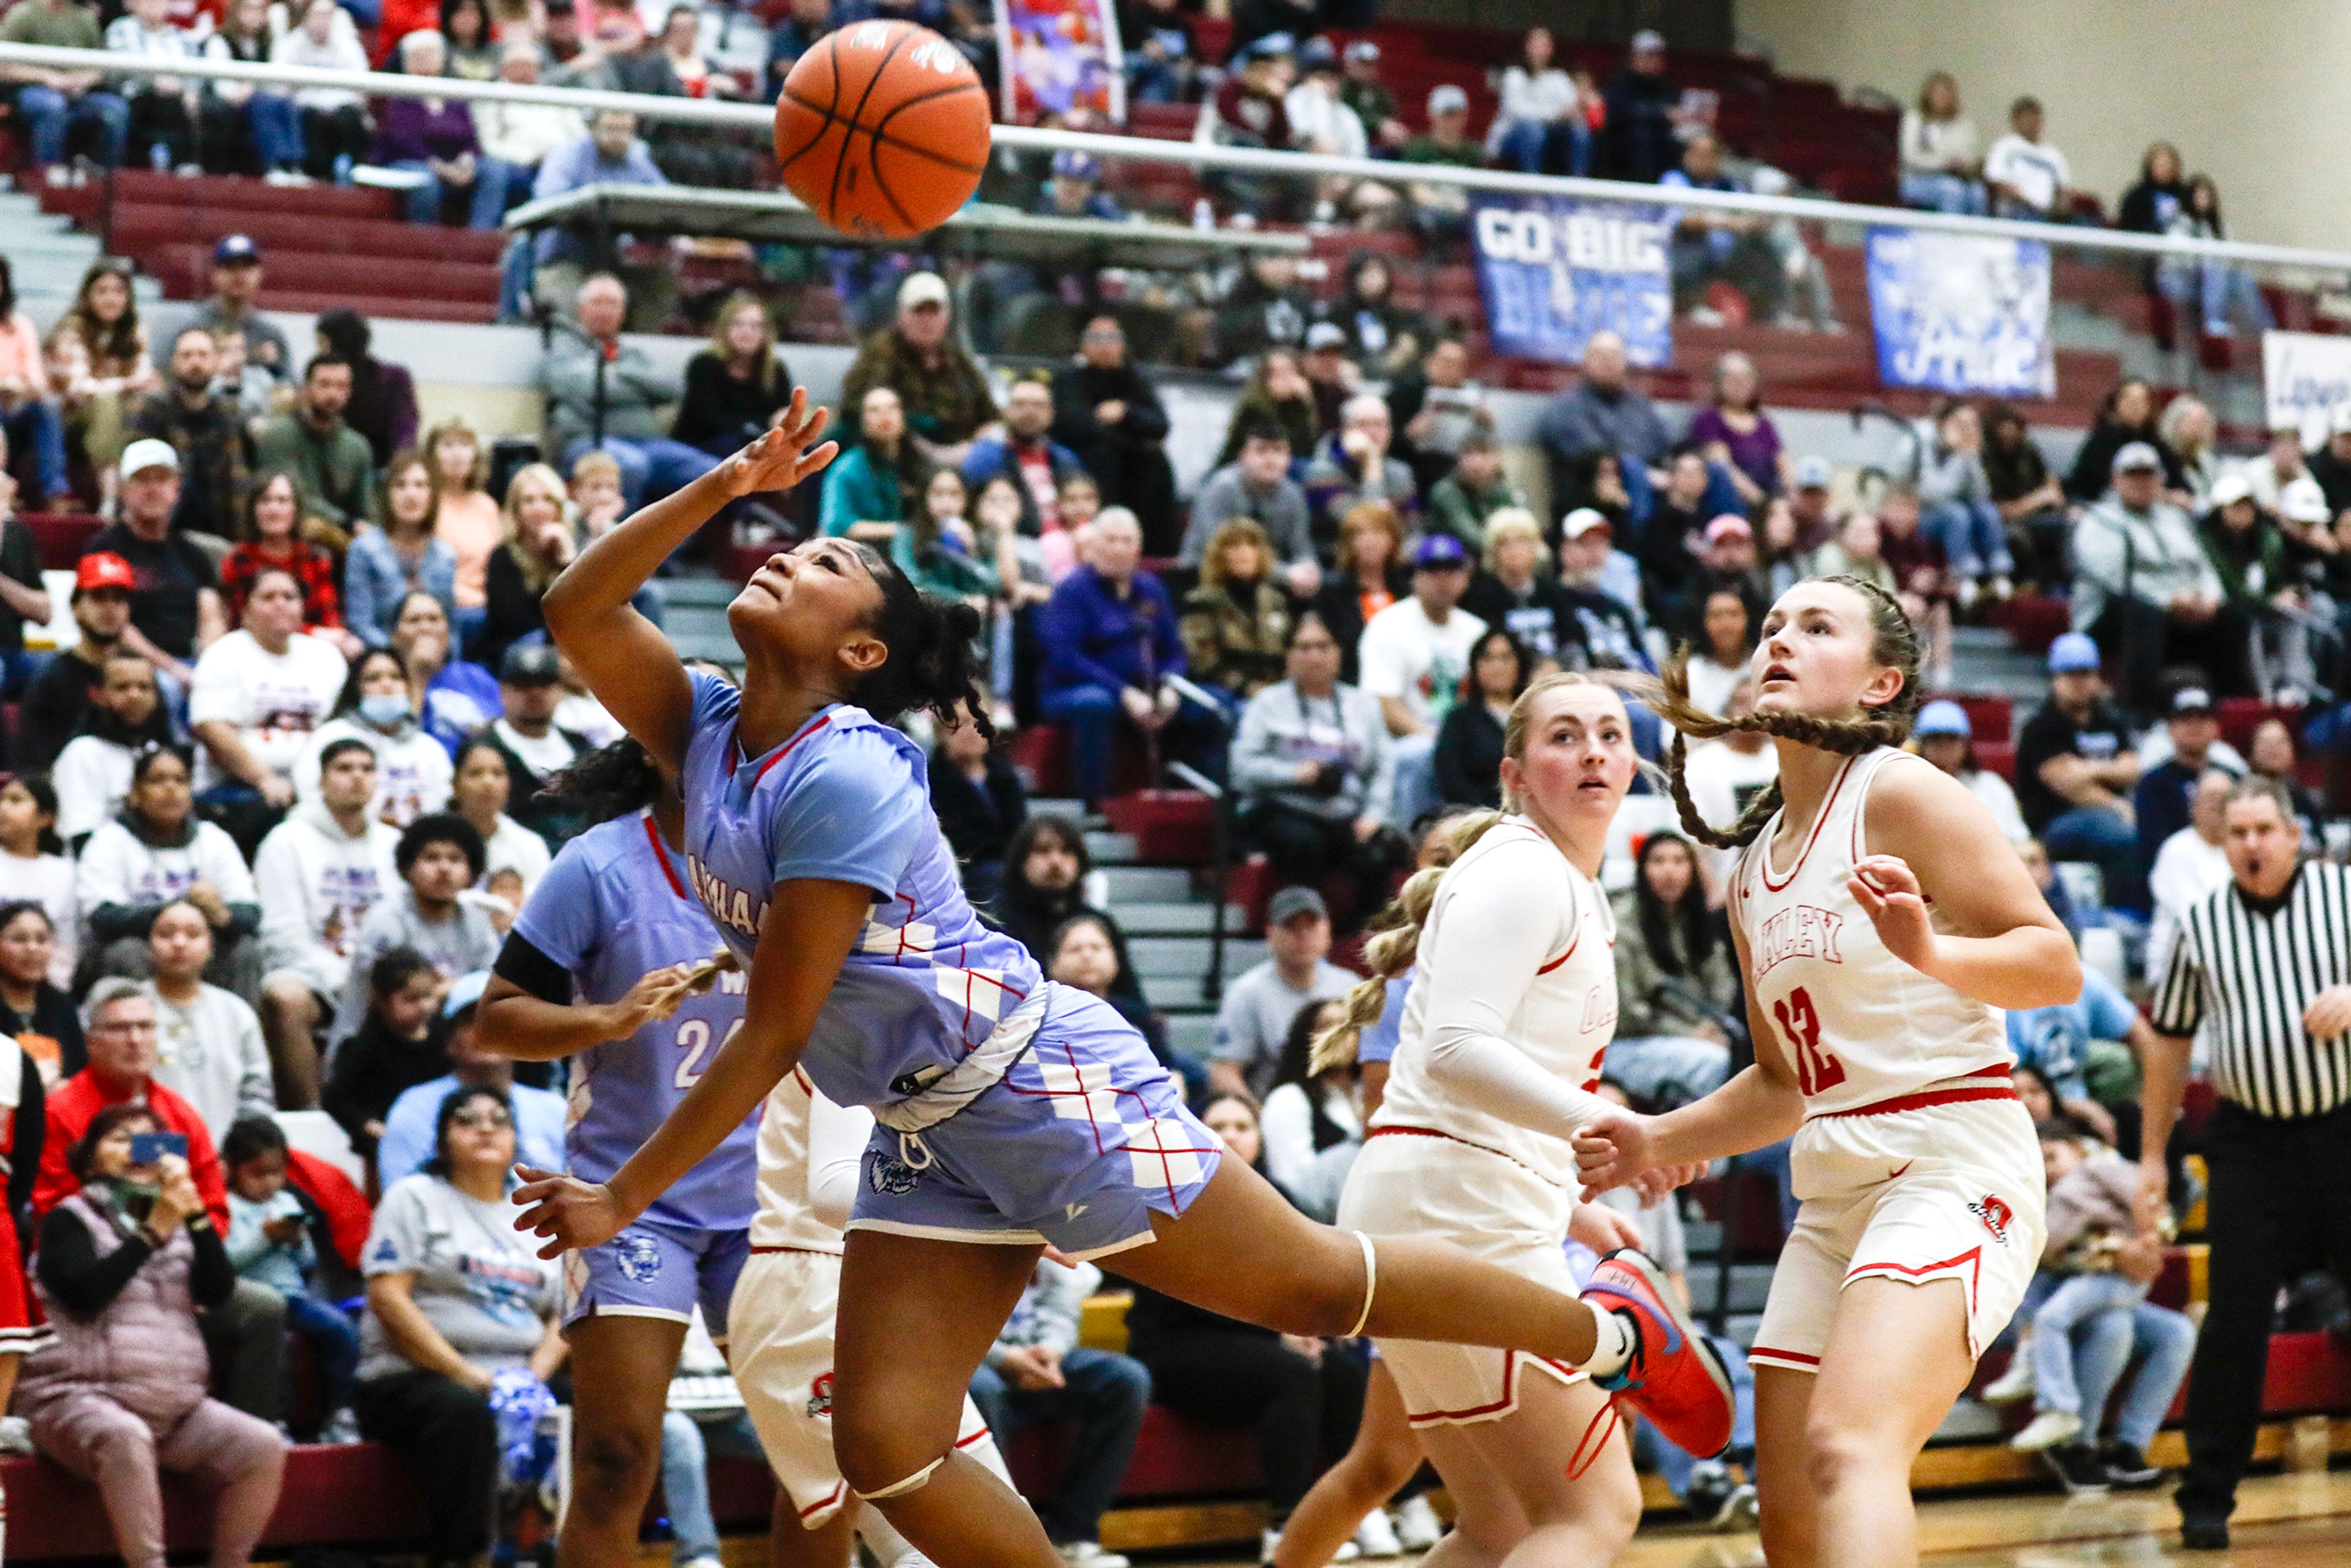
[2248, 976]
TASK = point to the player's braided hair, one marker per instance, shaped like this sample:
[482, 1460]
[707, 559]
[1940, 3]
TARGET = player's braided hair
[1894, 643]
[1395, 945]
[611, 781]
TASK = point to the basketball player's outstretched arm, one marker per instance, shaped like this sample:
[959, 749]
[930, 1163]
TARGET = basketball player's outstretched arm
[1931, 842]
[623, 657]
[1760, 1105]
[810, 926]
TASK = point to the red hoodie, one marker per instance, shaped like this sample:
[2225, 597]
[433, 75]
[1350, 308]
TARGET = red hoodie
[76, 1102]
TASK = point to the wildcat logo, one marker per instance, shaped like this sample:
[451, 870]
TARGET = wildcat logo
[820, 1400]
[893, 1177]
[1995, 1215]
[639, 1256]
[1800, 931]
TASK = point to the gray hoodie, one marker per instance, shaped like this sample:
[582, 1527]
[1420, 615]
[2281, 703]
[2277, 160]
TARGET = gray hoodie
[317, 884]
[1281, 728]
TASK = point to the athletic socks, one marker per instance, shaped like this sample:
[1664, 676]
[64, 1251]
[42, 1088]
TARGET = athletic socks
[1617, 1337]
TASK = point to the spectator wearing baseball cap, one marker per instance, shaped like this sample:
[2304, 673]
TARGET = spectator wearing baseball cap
[1438, 211]
[2191, 737]
[1161, 50]
[1946, 737]
[1075, 191]
[1812, 503]
[1414, 656]
[946, 393]
[175, 606]
[58, 697]
[2144, 589]
[1254, 1019]
[2248, 551]
[531, 743]
[1367, 93]
[2076, 764]
[1637, 141]
[1249, 110]
[230, 304]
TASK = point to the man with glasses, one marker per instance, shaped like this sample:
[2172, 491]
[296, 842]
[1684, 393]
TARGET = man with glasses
[536, 1114]
[246, 1334]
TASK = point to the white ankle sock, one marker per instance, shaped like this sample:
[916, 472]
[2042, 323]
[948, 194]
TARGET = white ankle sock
[1616, 1341]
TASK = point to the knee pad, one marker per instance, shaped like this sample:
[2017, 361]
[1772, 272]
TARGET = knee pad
[912, 1483]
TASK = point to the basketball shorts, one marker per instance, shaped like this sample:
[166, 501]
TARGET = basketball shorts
[656, 1270]
[1078, 1145]
[781, 1355]
[22, 1332]
[1410, 1182]
[1943, 1192]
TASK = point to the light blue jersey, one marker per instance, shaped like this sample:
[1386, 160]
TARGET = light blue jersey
[847, 799]
[612, 908]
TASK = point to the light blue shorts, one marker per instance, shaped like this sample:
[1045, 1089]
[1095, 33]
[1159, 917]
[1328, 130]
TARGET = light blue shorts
[656, 1270]
[1078, 1145]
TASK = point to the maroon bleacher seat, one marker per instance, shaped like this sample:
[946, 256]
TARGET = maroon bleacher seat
[61, 536]
[353, 1492]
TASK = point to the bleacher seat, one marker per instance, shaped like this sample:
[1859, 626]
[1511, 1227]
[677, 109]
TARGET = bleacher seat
[316, 1132]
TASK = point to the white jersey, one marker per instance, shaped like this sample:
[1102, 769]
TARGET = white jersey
[1862, 1027]
[1518, 946]
[809, 1150]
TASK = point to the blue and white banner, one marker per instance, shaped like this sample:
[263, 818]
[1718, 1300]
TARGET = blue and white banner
[2308, 376]
[1554, 271]
[1961, 313]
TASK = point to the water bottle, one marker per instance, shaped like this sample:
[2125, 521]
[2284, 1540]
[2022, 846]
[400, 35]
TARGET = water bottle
[1204, 214]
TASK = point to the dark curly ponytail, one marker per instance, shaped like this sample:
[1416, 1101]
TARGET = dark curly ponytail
[608, 782]
[1894, 643]
[932, 662]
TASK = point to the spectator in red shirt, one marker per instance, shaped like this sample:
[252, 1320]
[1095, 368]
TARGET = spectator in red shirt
[269, 535]
[246, 1333]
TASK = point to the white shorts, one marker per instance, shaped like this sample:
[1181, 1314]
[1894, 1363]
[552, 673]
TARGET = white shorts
[779, 1347]
[1409, 1182]
[1941, 1192]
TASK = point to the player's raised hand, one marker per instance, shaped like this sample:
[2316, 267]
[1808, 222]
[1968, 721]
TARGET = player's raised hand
[576, 1214]
[1611, 1150]
[1888, 893]
[783, 457]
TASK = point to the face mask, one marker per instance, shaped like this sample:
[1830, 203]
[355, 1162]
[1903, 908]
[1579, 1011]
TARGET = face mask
[384, 710]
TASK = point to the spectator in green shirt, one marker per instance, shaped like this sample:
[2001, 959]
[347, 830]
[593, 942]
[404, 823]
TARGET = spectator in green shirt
[332, 466]
[1462, 502]
[865, 487]
[52, 102]
[1439, 210]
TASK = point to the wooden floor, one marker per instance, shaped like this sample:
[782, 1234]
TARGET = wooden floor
[2282, 1522]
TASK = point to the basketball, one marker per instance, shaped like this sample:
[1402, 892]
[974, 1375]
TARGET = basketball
[882, 129]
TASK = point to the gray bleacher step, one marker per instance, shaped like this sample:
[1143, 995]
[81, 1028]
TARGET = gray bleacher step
[1112, 848]
[1141, 884]
[699, 643]
[1164, 992]
[1192, 1034]
[1750, 1283]
[1152, 919]
[700, 592]
[1187, 957]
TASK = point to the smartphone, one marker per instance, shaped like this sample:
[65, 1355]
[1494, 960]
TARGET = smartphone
[146, 1148]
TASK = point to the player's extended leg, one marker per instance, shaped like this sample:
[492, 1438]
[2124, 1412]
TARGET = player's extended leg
[826, 1546]
[1243, 1251]
[916, 1318]
[1382, 1458]
[620, 1368]
[1864, 1428]
[1515, 1501]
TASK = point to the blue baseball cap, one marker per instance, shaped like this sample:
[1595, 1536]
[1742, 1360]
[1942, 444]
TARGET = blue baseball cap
[464, 992]
[1439, 552]
[1069, 163]
[1943, 716]
[2073, 653]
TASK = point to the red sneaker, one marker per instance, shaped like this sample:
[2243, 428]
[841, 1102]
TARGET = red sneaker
[1674, 1378]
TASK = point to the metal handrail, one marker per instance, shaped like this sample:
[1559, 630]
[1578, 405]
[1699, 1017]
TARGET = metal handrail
[1220, 858]
[760, 118]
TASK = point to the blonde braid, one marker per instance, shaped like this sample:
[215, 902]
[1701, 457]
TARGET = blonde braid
[1894, 643]
[1395, 946]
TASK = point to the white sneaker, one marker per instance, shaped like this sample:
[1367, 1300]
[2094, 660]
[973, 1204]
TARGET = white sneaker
[2048, 1429]
[1738, 1510]
[702, 1563]
[1088, 1554]
[1417, 1528]
[1376, 1537]
[2014, 1386]
[341, 1426]
[15, 1435]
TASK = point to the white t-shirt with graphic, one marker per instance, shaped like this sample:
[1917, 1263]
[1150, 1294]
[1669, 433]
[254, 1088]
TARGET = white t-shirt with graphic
[273, 700]
[1418, 662]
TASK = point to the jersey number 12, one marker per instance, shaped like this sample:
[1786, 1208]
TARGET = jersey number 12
[1817, 1070]
[693, 1038]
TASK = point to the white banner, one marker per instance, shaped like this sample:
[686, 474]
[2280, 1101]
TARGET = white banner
[2308, 377]
[1961, 313]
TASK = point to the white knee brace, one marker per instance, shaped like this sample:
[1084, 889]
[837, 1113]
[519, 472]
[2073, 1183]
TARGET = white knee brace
[914, 1482]
[1371, 1283]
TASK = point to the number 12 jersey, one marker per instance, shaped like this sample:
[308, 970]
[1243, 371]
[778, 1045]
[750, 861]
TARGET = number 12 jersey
[1861, 1026]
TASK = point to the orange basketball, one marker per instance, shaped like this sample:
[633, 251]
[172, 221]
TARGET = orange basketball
[881, 128]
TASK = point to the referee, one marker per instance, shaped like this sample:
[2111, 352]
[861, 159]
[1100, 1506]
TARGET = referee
[2263, 966]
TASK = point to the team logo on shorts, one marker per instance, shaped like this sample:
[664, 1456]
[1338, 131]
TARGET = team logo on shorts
[820, 1400]
[639, 1256]
[893, 1177]
[1995, 1215]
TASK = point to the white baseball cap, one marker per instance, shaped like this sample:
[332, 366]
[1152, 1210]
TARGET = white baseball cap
[1581, 521]
[142, 456]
